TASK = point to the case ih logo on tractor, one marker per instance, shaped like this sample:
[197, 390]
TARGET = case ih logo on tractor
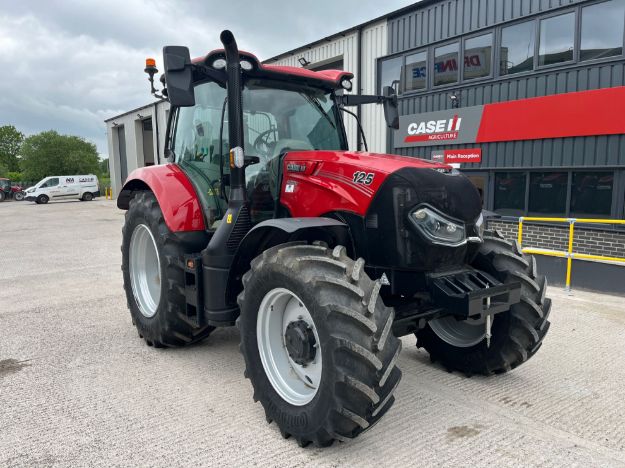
[322, 257]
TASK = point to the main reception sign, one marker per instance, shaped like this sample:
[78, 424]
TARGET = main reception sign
[597, 112]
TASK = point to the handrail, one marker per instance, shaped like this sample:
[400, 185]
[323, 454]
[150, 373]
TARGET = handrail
[569, 254]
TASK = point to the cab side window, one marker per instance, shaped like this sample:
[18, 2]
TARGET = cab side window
[196, 145]
[51, 183]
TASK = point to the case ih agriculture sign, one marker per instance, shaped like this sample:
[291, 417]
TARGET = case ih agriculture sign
[435, 128]
[597, 112]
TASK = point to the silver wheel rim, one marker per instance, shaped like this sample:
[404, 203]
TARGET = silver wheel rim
[295, 383]
[145, 270]
[19, 196]
[460, 333]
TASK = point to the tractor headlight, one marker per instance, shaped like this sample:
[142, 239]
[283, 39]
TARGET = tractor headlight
[479, 226]
[436, 228]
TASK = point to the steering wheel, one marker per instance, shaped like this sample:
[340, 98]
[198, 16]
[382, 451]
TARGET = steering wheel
[262, 143]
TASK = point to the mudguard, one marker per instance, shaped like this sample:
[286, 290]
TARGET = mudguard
[174, 192]
[279, 231]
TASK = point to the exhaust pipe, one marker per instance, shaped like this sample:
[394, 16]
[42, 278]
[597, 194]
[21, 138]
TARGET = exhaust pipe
[235, 111]
[217, 257]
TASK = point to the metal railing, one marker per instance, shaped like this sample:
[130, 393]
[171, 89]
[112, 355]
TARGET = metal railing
[569, 254]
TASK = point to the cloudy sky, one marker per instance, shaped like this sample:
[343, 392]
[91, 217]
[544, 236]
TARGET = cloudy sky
[67, 65]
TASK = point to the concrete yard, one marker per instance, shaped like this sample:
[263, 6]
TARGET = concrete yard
[78, 387]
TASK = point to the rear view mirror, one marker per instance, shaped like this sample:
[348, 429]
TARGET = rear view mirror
[391, 114]
[178, 76]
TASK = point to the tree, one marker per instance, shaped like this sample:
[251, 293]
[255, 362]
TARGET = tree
[49, 153]
[104, 167]
[10, 141]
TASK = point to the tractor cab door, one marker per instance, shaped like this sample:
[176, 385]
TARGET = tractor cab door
[201, 149]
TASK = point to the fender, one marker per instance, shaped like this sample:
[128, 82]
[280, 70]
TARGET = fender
[272, 232]
[174, 192]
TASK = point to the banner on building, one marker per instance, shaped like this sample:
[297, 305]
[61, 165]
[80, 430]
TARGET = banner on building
[584, 113]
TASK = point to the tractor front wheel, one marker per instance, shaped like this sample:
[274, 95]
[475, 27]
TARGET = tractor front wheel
[516, 334]
[153, 270]
[317, 343]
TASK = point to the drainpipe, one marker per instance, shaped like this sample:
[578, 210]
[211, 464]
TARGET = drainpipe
[359, 90]
[158, 156]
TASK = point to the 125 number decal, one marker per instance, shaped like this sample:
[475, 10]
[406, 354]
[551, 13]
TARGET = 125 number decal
[361, 177]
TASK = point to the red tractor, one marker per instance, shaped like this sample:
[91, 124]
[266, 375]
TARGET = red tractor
[9, 191]
[322, 257]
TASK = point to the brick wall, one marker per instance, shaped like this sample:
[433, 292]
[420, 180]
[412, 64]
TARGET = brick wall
[592, 241]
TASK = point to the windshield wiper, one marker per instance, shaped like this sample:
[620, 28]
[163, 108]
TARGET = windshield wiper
[319, 108]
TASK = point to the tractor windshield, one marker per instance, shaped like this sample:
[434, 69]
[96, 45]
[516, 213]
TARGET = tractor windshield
[277, 117]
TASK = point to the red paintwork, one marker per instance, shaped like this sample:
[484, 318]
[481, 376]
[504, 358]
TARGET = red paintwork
[327, 183]
[332, 77]
[583, 113]
[175, 194]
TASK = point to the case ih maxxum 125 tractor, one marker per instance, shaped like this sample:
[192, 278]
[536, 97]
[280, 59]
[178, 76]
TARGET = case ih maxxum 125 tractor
[322, 257]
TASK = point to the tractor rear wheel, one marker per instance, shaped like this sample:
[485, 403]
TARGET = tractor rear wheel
[317, 343]
[516, 334]
[153, 270]
[2, 196]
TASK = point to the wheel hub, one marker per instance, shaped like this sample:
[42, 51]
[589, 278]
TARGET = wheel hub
[300, 342]
[289, 346]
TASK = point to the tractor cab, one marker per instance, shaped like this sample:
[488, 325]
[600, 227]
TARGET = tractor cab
[5, 189]
[282, 108]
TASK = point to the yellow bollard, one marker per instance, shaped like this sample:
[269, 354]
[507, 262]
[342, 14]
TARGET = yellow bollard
[569, 260]
[520, 236]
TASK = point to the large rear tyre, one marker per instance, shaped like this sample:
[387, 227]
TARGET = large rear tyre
[516, 334]
[2, 196]
[317, 343]
[153, 270]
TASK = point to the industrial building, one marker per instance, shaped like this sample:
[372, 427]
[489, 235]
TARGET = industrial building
[525, 96]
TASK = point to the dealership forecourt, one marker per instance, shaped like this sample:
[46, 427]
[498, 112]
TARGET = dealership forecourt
[78, 387]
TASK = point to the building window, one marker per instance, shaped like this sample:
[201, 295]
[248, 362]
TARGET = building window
[390, 72]
[591, 194]
[548, 193]
[446, 64]
[602, 30]
[557, 38]
[415, 72]
[477, 53]
[510, 193]
[517, 48]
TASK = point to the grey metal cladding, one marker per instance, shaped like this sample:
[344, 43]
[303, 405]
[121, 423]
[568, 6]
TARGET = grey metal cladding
[447, 19]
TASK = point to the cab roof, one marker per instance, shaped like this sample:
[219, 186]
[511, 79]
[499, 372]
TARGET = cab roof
[326, 78]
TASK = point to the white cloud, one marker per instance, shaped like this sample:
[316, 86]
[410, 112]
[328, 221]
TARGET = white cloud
[68, 65]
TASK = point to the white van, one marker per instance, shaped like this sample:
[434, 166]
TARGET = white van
[81, 187]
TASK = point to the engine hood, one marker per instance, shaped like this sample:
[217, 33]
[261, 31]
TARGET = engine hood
[380, 162]
[319, 182]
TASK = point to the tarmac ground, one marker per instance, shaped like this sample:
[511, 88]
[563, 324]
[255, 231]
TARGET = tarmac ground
[79, 388]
